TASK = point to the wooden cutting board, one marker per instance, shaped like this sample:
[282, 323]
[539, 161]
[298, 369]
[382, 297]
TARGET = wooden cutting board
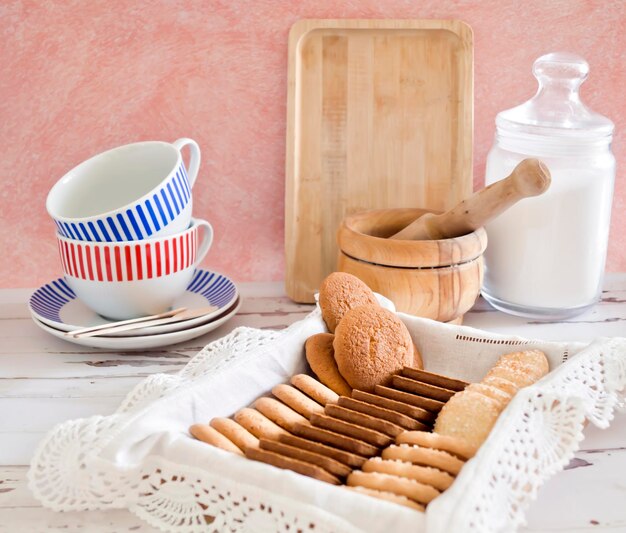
[379, 115]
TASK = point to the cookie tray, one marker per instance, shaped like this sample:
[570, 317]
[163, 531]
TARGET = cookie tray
[142, 457]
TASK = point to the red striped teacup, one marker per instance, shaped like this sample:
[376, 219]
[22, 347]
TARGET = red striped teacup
[134, 278]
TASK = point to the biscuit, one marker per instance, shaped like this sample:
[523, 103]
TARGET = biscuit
[336, 439]
[431, 378]
[343, 456]
[388, 496]
[418, 413]
[418, 362]
[257, 424]
[297, 400]
[424, 457]
[371, 343]
[234, 432]
[314, 389]
[501, 397]
[503, 384]
[468, 415]
[340, 292]
[402, 486]
[279, 413]
[363, 420]
[330, 465]
[452, 445]
[535, 358]
[421, 389]
[321, 358]
[289, 463]
[424, 474]
[520, 374]
[351, 430]
[206, 433]
[412, 399]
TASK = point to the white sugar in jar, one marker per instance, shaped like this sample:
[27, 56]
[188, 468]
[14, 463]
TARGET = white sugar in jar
[546, 254]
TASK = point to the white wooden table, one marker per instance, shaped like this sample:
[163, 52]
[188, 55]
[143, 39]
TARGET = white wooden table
[44, 381]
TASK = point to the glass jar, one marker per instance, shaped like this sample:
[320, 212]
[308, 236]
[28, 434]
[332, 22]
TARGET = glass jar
[546, 255]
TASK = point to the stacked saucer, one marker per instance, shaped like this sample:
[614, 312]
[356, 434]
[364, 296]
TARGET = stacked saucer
[129, 248]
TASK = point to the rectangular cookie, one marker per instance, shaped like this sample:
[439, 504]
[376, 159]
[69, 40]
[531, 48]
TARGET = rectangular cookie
[434, 379]
[422, 415]
[336, 439]
[330, 465]
[422, 389]
[351, 430]
[288, 463]
[343, 456]
[406, 397]
[364, 420]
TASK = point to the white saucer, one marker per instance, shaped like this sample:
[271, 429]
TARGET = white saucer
[144, 342]
[57, 306]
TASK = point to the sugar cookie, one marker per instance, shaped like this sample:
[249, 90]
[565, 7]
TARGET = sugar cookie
[388, 496]
[424, 474]
[425, 457]
[402, 486]
[452, 445]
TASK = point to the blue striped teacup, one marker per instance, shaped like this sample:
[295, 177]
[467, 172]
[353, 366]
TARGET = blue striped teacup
[133, 192]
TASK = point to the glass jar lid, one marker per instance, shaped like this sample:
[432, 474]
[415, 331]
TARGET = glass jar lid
[556, 110]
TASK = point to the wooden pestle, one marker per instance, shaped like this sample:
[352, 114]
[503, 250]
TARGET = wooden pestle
[529, 178]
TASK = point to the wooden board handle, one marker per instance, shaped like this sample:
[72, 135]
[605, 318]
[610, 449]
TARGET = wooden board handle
[529, 178]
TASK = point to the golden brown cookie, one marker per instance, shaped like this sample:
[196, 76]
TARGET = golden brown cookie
[424, 474]
[342, 427]
[279, 413]
[371, 343]
[422, 415]
[330, 465]
[492, 392]
[425, 457]
[412, 399]
[402, 486]
[421, 389]
[444, 382]
[297, 400]
[503, 384]
[320, 355]
[418, 362]
[520, 374]
[389, 496]
[425, 439]
[343, 456]
[468, 415]
[314, 389]
[340, 292]
[289, 463]
[363, 420]
[257, 424]
[207, 434]
[535, 358]
[335, 439]
[235, 433]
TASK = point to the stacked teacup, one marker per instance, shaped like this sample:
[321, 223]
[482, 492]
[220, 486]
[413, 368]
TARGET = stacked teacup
[128, 243]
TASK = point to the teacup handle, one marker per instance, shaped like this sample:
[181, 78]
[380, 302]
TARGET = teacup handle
[207, 240]
[194, 159]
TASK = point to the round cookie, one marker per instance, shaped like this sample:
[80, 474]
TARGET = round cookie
[468, 415]
[503, 398]
[534, 358]
[449, 444]
[401, 486]
[424, 474]
[340, 292]
[503, 384]
[521, 374]
[321, 358]
[371, 343]
[388, 496]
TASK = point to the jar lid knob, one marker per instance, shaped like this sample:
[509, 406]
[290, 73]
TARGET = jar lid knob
[562, 69]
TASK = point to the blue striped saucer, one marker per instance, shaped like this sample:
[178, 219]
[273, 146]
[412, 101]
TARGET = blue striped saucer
[56, 305]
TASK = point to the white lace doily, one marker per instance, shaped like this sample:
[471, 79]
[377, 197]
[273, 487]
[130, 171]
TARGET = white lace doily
[143, 459]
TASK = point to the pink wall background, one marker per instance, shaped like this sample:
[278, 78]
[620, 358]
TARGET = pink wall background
[80, 77]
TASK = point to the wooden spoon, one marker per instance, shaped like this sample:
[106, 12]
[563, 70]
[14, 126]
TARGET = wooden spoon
[529, 178]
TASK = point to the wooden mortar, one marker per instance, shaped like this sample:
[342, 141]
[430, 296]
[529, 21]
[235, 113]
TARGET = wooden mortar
[438, 279]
